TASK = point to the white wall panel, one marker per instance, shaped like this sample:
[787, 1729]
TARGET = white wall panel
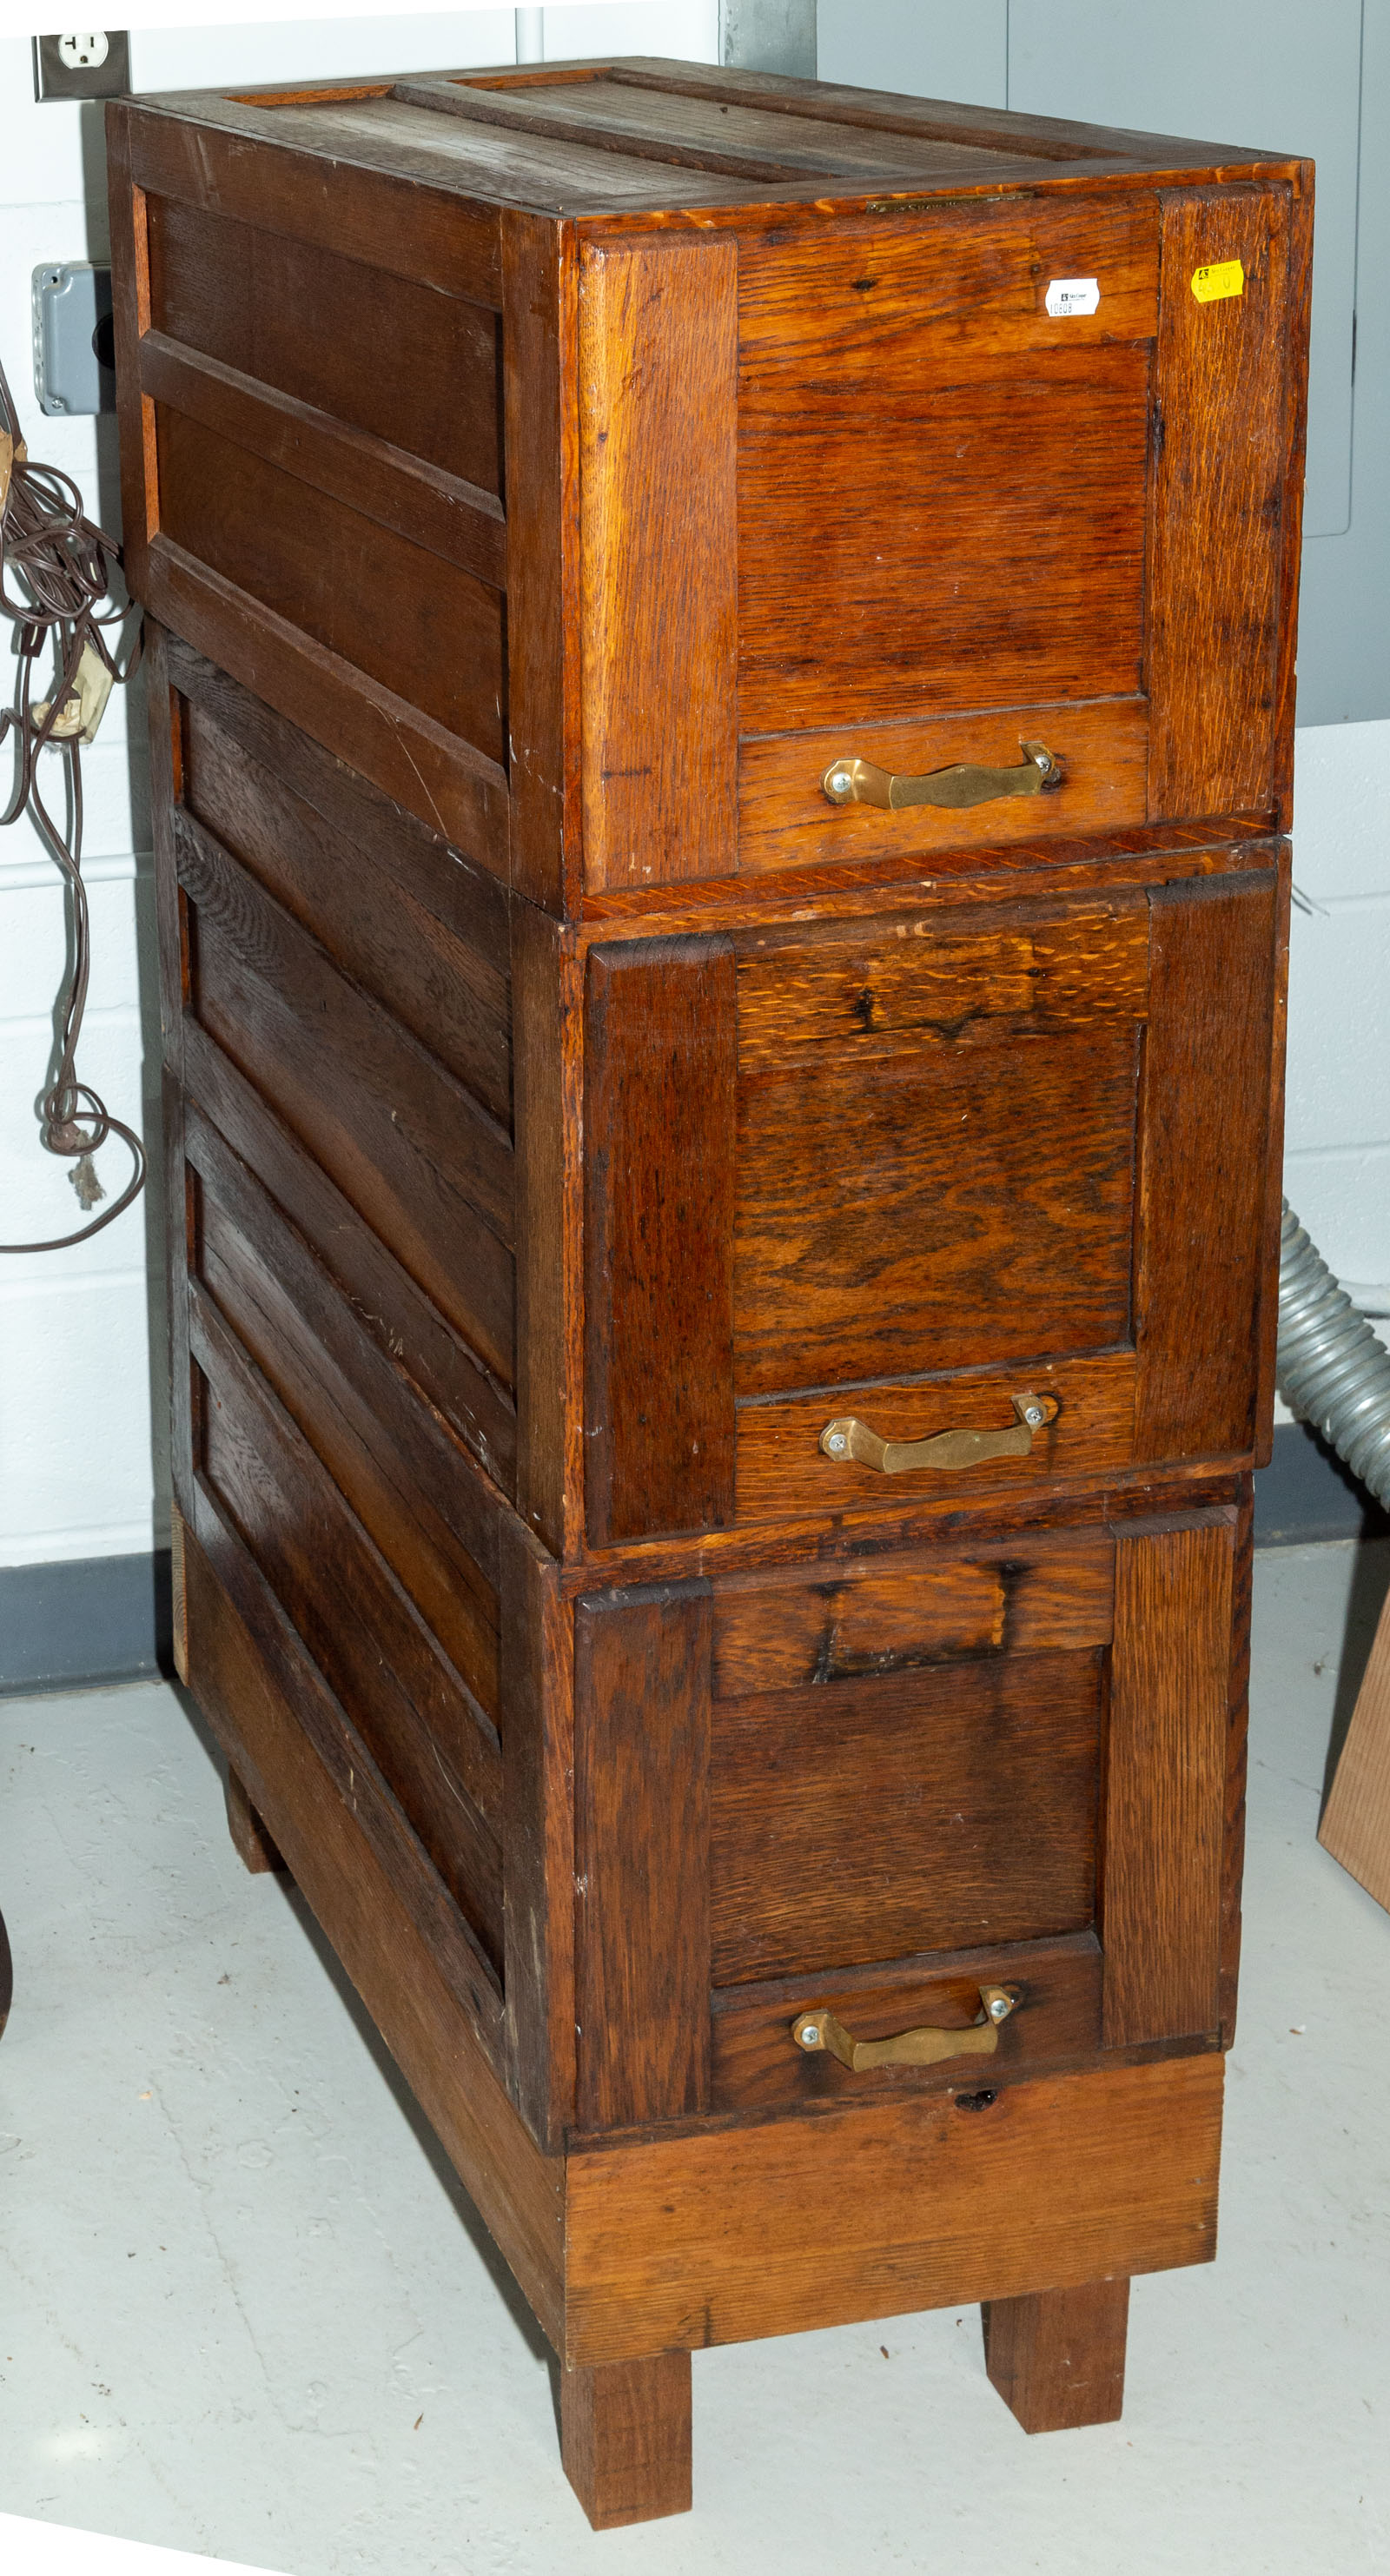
[76, 1467]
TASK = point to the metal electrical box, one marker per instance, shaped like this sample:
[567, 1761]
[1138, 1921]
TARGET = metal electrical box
[74, 345]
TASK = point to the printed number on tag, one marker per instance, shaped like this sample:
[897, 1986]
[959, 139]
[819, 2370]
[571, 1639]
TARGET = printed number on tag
[1226, 277]
[1072, 295]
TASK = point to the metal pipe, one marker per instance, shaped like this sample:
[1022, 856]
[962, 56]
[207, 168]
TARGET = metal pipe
[1331, 1367]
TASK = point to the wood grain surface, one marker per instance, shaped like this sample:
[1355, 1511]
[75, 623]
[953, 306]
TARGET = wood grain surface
[658, 338]
[785, 818]
[414, 623]
[901, 2205]
[949, 1207]
[430, 1741]
[539, 360]
[407, 1481]
[400, 931]
[625, 2438]
[929, 978]
[1057, 2357]
[1220, 469]
[782, 1469]
[252, 1688]
[1006, 565]
[918, 1608]
[251, 1842]
[1203, 1245]
[388, 354]
[1165, 1784]
[641, 1840]
[412, 758]
[427, 1168]
[387, 1305]
[659, 1126]
[932, 1809]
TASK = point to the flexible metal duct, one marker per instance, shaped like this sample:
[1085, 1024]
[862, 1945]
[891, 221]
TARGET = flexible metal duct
[1331, 1366]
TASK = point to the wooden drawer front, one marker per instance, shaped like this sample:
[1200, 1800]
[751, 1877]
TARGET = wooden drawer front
[883, 1789]
[909, 1174]
[889, 1786]
[912, 516]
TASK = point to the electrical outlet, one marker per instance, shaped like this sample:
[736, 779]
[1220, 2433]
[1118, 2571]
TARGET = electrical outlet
[94, 65]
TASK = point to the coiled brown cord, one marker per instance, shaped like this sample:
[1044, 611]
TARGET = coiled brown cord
[65, 564]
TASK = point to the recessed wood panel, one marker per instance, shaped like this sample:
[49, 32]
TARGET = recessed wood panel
[958, 1204]
[419, 626]
[387, 1304]
[658, 340]
[398, 1469]
[376, 1654]
[404, 942]
[388, 354]
[415, 1154]
[970, 534]
[930, 1810]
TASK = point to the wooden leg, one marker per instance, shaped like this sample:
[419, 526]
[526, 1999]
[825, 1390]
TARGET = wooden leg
[1058, 2357]
[625, 2438]
[247, 1830]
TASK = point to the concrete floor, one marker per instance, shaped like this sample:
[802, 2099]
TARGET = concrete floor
[248, 2312]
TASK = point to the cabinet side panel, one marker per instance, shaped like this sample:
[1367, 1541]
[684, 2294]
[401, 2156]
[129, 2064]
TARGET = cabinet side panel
[641, 1792]
[1216, 506]
[658, 356]
[273, 1719]
[1166, 1784]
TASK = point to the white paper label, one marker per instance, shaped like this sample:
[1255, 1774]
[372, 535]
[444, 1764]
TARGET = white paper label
[1072, 295]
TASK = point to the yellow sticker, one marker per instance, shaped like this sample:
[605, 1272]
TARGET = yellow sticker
[1226, 278]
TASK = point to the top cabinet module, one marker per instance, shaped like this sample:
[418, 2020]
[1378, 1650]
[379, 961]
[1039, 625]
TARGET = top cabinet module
[722, 476]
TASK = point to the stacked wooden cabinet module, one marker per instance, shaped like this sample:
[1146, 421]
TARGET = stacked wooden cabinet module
[723, 677]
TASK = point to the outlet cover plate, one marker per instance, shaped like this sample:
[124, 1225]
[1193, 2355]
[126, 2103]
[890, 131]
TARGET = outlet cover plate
[64, 68]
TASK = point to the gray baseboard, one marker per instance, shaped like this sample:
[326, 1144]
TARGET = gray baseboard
[94, 1619]
[107, 1618]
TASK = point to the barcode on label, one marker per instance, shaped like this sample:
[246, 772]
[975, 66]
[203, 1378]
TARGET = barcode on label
[1067, 295]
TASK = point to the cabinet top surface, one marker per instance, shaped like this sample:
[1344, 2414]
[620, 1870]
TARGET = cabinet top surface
[645, 136]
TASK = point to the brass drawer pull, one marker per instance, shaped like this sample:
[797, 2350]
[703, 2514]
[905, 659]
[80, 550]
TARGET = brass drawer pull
[847, 1438]
[856, 782]
[820, 2028]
